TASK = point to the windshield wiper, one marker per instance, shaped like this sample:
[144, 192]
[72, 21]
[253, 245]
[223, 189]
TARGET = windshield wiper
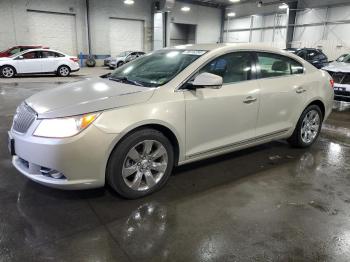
[124, 79]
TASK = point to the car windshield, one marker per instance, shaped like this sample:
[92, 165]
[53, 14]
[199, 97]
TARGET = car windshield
[157, 68]
[18, 54]
[122, 54]
[344, 59]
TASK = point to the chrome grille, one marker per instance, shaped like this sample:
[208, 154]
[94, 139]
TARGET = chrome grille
[24, 118]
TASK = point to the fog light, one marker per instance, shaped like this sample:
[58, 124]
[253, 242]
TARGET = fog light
[45, 171]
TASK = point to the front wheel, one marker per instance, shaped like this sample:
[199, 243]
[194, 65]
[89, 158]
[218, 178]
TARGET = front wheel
[141, 164]
[8, 71]
[308, 127]
[63, 71]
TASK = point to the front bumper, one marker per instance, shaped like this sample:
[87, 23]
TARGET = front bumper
[82, 159]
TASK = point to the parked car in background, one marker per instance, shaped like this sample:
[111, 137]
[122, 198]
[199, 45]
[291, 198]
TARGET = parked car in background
[340, 71]
[314, 56]
[16, 49]
[119, 61]
[38, 61]
[171, 107]
[341, 58]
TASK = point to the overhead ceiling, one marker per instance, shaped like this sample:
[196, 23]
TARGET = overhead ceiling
[224, 3]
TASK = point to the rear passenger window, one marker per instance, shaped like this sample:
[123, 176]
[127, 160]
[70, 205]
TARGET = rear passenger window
[273, 65]
[233, 67]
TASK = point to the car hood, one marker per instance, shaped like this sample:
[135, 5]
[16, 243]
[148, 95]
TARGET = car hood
[338, 67]
[5, 59]
[87, 96]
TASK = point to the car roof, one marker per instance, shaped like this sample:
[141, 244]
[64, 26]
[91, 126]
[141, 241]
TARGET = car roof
[41, 49]
[228, 47]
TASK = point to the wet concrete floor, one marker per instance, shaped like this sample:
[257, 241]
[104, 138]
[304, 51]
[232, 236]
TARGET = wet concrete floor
[267, 203]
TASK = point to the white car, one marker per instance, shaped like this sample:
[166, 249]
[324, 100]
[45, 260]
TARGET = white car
[340, 72]
[168, 108]
[38, 61]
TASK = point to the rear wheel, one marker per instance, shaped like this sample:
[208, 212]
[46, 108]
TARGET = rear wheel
[8, 71]
[308, 127]
[141, 164]
[63, 71]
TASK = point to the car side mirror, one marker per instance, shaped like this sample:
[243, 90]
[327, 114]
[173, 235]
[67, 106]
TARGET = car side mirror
[20, 57]
[207, 80]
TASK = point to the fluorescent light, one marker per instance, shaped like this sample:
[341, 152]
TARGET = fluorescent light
[283, 6]
[185, 9]
[235, 1]
[129, 2]
[231, 14]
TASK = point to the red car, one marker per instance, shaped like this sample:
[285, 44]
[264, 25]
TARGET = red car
[15, 49]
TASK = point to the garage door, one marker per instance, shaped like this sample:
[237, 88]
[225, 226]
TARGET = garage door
[54, 30]
[125, 35]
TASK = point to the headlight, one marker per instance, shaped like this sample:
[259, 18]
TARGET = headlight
[64, 127]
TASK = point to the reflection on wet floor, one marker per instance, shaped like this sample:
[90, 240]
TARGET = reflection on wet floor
[267, 203]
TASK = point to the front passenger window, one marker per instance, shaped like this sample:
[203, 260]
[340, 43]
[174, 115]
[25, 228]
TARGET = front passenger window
[233, 67]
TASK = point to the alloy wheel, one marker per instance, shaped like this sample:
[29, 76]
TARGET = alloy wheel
[8, 72]
[310, 126]
[145, 165]
[64, 71]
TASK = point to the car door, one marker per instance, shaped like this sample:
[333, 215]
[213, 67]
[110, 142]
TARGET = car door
[220, 118]
[29, 62]
[283, 87]
[50, 61]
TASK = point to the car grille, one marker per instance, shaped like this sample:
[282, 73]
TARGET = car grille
[24, 118]
[340, 78]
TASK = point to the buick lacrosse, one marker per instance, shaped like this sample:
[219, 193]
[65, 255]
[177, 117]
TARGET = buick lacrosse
[168, 108]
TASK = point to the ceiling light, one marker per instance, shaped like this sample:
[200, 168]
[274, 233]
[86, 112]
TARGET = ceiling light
[283, 6]
[235, 1]
[185, 8]
[231, 14]
[129, 2]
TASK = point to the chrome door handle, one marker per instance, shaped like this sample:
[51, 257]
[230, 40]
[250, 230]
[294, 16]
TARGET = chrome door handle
[300, 90]
[249, 100]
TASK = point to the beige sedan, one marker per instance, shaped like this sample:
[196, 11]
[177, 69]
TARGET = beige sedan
[168, 108]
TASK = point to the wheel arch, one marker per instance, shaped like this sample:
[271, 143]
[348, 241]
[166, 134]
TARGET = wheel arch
[320, 104]
[164, 129]
[10, 66]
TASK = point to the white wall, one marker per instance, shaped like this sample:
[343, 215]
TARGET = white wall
[102, 10]
[207, 19]
[14, 19]
[275, 37]
[333, 39]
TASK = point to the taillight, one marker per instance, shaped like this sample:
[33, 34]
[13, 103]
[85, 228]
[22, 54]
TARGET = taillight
[332, 82]
[74, 59]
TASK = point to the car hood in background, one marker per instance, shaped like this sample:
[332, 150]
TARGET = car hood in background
[338, 67]
[87, 96]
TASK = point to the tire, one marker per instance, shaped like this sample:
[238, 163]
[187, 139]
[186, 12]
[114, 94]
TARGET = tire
[90, 62]
[120, 64]
[134, 176]
[63, 71]
[8, 71]
[308, 127]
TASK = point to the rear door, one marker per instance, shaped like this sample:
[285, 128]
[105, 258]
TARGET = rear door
[50, 61]
[283, 88]
[31, 63]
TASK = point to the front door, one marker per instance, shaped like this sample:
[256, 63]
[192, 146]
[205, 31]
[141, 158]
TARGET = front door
[30, 63]
[220, 118]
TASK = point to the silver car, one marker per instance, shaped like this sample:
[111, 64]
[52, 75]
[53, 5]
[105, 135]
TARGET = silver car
[168, 108]
[124, 58]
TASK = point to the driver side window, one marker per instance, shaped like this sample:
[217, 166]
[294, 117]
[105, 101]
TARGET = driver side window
[232, 67]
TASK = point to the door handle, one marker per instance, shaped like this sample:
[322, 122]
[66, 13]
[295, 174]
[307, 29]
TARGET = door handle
[300, 90]
[249, 100]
